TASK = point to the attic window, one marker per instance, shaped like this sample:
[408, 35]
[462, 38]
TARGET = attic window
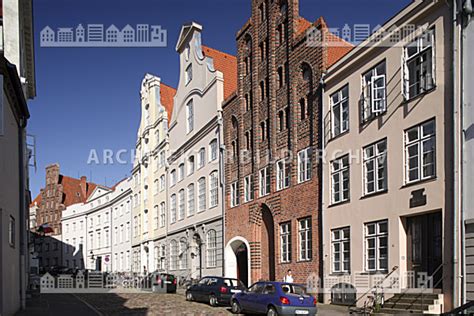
[188, 76]
[186, 52]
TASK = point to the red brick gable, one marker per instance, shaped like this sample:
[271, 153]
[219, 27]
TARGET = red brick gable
[167, 94]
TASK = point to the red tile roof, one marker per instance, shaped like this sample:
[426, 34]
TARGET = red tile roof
[167, 94]
[301, 26]
[72, 191]
[227, 64]
[336, 49]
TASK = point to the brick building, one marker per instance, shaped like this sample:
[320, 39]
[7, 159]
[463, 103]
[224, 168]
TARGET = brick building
[59, 192]
[271, 128]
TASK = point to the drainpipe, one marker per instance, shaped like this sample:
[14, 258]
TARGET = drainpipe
[221, 147]
[22, 223]
[457, 177]
[321, 179]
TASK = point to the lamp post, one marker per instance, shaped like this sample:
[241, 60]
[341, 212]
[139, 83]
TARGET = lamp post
[92, 258]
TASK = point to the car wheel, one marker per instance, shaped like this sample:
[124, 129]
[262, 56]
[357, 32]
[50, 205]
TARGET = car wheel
[212, 300]
[235, 307]
[272, 311]
[189, 296]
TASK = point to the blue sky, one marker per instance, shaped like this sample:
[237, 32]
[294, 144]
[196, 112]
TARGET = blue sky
[88, 98]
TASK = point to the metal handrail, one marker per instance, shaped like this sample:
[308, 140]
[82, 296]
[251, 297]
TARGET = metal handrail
[373, 287]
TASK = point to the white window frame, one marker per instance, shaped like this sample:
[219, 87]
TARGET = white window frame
[377, 236]
[180, 172]
[341, 100]
[181, 205]
[374, 92]
[162, 215]
[201, 157]
[264, 181]
[418, 143]
[191, 200]
[285, 242]
[248, 188]
[305, 244]
[189, 116]
[304, 165]
[283, 173]
[211, 248]
[173, 208]
[340, 167]
[191, 165]
[213, 189]
[173, 178]
[234, 194]
[188, 74]
[341, 250]
[162, 183]
[424, 47]
[375, 164]
[173, 255]
[202, 194]
[213, 150]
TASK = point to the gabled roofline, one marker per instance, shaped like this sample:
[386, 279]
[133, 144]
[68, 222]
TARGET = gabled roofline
[186, 31]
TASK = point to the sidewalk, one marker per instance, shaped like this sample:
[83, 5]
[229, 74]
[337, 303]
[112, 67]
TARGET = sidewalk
[56, 305]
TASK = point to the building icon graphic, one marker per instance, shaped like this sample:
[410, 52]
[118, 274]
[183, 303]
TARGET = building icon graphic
[65, 34]
[96, 35]
[47, 35]
[80, 33]
[95, 32]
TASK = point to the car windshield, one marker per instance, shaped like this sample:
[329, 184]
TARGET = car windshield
[293, 289]
[233, 282]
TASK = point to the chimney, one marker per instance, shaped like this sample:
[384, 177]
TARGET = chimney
[84, 187]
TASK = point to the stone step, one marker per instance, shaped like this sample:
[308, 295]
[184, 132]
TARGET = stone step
[407, 306]
[391, 311]
[415, 295]
[405, 300]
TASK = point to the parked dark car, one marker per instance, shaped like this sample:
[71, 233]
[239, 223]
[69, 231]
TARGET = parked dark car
[214, 290]
[274, 298]
[165, 281]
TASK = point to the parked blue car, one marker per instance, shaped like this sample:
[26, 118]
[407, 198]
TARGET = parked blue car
[274, 298]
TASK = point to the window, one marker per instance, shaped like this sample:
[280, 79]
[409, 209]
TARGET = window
[280, 77]
[420, 152]
[374, 92]
[418, 67]
[201, 158]
[155, 187]
[375, 167]
[304, 165]
[173, 254]
[263, 130]
[211, 249]
[302, 109]
[264, 180]
[162, 214]
[248, 140]
[181, 204]
[283, 174]
[248, 188]
[340, 179]
[262, 90]
[213, 150]
[213, 185]
[341, 251]
[201, 194]
[162, 159]
[11, 232]
[173, 209]
[183, 254]
[173, 177]
[190, 116]
[281, 120]
[304, 232]
[162, 183]
[181, 172]
[155, 217]
[162, 257]
[285, 242]
[376, 246]
[339, 102]
[191, 199]
[188, 75]
[234, 194]
[190, 165]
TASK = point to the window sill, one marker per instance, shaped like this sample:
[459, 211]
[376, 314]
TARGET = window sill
[340, 203]
[423, 181]
[381, 272]
[340, 273]
[303, 261]
[420, 95]
[369, 195]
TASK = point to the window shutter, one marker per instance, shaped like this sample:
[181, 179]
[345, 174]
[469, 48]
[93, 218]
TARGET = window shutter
[364, 101]
[378, 101]
[327, 127]
[405, 75]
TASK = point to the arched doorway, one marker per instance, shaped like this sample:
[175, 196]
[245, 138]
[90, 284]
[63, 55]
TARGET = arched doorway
[237, 260]
[268, 244]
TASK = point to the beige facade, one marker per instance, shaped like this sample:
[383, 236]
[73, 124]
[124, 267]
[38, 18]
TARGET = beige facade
[149, 173]
[387, 200]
